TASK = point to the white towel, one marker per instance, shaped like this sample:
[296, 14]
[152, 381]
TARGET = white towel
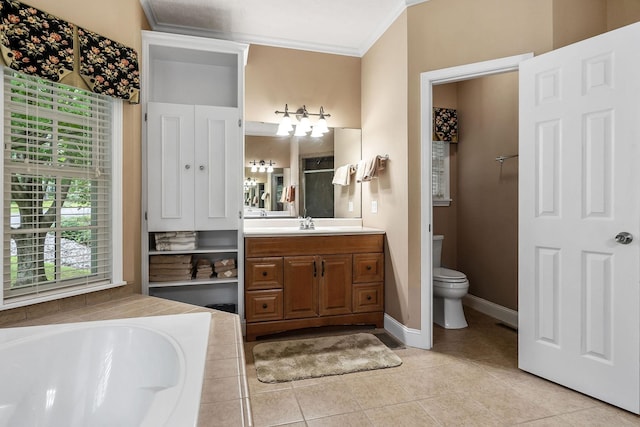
[342, 175]
[370, 169]
[360, 169]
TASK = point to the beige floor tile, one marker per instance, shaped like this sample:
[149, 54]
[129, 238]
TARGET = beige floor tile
[354, 419]
[453, 409]
[603, 415]
[401, 415]
[469, 378]
[220, 368]
[368, 391]
[220, 389]
[220, 414]
[275, 408]
[324, 400]
[508, 405]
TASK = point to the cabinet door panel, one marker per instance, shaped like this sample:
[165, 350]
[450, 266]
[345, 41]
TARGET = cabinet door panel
[170, 167]
[300, 287]
[335, 284]
[217, 182]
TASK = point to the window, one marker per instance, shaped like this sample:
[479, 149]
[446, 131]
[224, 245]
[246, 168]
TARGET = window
[61, 219]
[440, 173]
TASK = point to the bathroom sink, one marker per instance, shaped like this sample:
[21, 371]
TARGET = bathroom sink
[318, 230]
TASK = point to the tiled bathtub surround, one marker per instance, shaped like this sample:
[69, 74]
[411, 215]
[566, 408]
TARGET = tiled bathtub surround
[224, 400]
[469, 378]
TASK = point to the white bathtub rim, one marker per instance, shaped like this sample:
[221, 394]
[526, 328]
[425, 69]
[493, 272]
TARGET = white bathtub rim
[189, 335]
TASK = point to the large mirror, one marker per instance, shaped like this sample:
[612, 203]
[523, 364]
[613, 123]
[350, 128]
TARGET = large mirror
[292, 176]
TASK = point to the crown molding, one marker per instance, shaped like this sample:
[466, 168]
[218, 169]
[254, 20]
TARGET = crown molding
[357, 51]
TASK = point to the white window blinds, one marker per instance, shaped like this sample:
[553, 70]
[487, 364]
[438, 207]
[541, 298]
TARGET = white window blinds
[440, 170]
[57, 187]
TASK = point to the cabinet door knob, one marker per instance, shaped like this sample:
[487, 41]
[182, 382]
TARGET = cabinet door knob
[368, 297]
[264, 273]
[368, 267]
[201, 167]
[264, 306]
[187, 167]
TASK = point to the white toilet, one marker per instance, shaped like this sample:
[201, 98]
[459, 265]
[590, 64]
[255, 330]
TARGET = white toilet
[449, 286]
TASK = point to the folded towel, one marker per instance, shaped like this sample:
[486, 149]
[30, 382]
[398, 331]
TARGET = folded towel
[370, 169]
[360, 169]
[342, 175]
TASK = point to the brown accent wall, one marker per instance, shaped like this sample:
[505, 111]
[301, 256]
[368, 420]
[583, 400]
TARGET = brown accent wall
[121, 20]
[445, 218]
[621, 13]
[276, 76]
[487, 209]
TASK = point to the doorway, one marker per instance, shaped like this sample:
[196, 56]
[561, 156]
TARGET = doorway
[428, 80]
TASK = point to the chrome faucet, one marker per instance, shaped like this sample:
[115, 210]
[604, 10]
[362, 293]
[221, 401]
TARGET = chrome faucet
[307, 224]
[263, 213]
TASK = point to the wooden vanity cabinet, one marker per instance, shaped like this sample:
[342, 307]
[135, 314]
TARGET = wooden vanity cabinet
[306, 281]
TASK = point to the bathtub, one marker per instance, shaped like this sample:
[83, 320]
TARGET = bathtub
[144, 371]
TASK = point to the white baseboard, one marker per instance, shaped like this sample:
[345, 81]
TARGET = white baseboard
[407, 336]
[504, 314]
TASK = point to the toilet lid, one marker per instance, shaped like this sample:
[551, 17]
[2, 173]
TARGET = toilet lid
[447, 275]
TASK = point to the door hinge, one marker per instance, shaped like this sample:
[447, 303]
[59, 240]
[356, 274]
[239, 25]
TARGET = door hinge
[240, 214]
[145, 117]
[145, 216]
[239, 123]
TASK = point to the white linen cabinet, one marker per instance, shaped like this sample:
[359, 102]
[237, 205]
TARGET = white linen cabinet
[193, 139]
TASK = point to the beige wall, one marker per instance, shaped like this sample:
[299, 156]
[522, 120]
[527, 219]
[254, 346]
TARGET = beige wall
[575, 20]
[384, 131]
[441, 35]
[276, 76]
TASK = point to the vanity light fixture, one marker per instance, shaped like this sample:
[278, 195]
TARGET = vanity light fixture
[304, 123]
[262, 166]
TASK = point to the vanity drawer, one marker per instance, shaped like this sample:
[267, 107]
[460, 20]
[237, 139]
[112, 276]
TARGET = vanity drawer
[368, 268]
[263, 273]
[368, 297]
[263, 305]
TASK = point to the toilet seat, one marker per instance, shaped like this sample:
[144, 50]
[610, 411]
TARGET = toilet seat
[445, 277]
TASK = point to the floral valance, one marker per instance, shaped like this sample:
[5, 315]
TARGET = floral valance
[37, 43]
[445, 125]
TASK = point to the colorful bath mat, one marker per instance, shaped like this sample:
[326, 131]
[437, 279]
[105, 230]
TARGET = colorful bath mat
[282, 361]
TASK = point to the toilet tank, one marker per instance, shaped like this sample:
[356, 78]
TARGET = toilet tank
[437, 250]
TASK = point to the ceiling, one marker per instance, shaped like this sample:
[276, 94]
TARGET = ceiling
[345, 27]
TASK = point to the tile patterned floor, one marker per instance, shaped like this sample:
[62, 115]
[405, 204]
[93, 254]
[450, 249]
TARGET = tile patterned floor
[470, 378]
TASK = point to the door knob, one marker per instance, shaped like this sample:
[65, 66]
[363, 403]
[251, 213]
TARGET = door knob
[624, 238]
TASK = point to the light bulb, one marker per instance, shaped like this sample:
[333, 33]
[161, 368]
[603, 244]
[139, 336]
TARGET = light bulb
[286, 122]
[254, 168]
[283, 130]
[262, 169]
[270, 169]
[300, 130]
[305, 123]
[316, 132]
[322, 125]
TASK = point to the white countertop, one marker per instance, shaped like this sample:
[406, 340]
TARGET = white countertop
[317, 231]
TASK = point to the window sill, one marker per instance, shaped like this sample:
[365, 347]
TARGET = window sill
[441, 203]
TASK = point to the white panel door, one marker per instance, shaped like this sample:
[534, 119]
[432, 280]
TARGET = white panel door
[218, 168]
[170, 170]
[579, 298]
